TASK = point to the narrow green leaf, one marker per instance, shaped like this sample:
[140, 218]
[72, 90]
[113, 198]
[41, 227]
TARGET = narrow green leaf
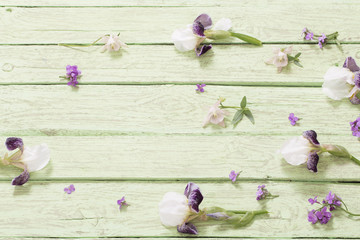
[298, 55]
[237, 117]
[243, 102]
[297, 63]
[290, 58]
[247, 38]
[249, 115]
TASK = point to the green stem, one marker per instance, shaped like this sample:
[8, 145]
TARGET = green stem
[350, 213]
[230, 107]
[81, 45]
[246, 38]
[256, 212]
[357, 161]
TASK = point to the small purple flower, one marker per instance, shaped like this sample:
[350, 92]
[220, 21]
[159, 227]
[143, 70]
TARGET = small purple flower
[309, 36]
[69, 189]
[122, 202]
[355, 127]
[233, 175]
[261, 193]
[293, 119]
[312, 217]
[323, 215]
[313, 200]
[200, 87]
[332, 199]
[322, 40]
[72, 73]
[13, 143]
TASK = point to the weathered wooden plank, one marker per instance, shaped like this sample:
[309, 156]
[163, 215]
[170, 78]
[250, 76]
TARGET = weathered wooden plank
[166, 109]
[269, 21]
[163, 64]
[43, 209]
[181, 158]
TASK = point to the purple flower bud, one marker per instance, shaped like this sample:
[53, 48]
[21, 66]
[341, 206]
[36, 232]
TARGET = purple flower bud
[187, 228]
[13, 143]
[21, 179]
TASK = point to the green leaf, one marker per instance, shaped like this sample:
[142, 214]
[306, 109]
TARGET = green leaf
[246, 38]
[358, 95]
[249, 115]
[297, 63]
[298, 55]
[290, 58]
[243, 102]
[237, 117]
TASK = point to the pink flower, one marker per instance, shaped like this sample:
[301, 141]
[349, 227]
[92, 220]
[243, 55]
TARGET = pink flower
[215, 115]
[280, 58]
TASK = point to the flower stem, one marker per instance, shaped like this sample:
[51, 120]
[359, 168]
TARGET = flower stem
[357, 161]
[350, 213]
[246, 38]
[80, 45]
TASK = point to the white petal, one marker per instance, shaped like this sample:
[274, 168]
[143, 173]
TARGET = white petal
[184, 39]
[296, 150]
[223, 24]
[335, 84]
[36, 157]
[173, 209]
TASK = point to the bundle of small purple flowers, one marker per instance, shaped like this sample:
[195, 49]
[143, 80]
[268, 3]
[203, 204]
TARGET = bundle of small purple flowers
[72, 75]
[263, 193]
[322, 215]
[355, 127]
[321, 39]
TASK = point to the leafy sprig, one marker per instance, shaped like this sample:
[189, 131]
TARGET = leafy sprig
[295, 59]
[241, 111]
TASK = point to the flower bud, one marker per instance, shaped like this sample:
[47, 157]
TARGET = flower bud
[336, 150]
[216, 34]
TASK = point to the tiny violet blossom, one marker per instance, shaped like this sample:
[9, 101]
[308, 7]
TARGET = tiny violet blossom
[322, 215]
[200, 88]
[30, 159]
[355, 127]
[282, 58]
[112, 43]
[179, 210]
[70, 189]
[263, 193]
[121, 202]
[293, 119]
[306, 149]
[72, 75]
[322, 39]
[234, 175]
[190, 38]
[343, 82]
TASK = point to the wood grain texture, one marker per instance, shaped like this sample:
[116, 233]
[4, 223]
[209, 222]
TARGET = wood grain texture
[269, 21]
[44, 210]
[225, 65]
[158, 110]
[162, 158]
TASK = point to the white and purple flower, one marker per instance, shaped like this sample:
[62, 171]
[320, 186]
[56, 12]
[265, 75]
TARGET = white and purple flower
[180, 209]
[194, 34]
[343, 82]
[30, 159]
[282, 58]
[306, 149]
[216, 115]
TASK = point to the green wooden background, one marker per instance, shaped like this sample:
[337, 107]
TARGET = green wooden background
[133, 127]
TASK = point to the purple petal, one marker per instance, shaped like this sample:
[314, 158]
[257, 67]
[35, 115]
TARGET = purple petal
[198, 29]
[355, 100]
[187, 228]
[72, 188]
[192, 192]
[351, 64]
[357, 79]
[21, 179]
[205, 20]
[312, 162]
[311, 136]
[202, 49]
[13, 143]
